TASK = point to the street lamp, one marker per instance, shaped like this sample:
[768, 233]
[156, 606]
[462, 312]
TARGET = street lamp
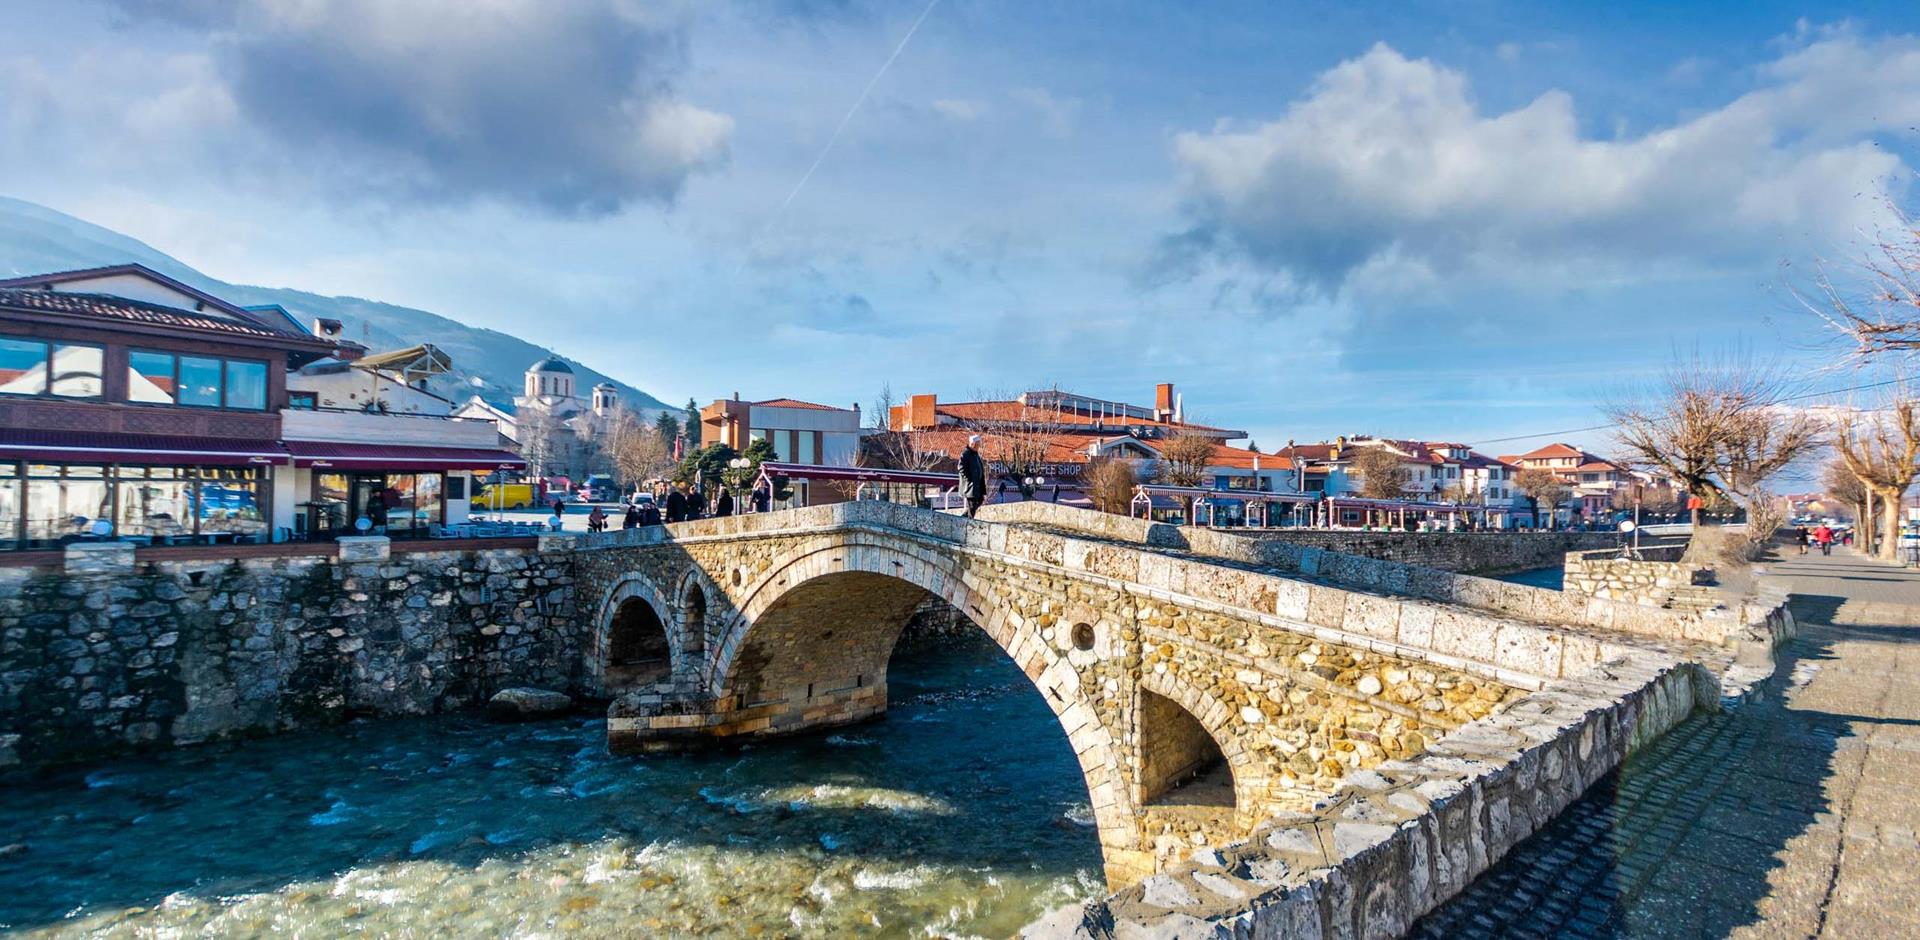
[1033, 485]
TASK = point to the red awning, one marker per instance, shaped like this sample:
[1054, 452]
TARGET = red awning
[65, 446]
[400, 456]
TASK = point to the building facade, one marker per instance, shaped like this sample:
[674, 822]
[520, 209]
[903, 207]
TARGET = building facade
[136, 406]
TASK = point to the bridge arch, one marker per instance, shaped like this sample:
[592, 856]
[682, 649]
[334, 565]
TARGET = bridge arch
[1178, 727]
[778, 647]
[624, 653]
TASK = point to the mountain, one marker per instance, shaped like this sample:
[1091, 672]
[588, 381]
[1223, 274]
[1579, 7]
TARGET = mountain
[35, 239]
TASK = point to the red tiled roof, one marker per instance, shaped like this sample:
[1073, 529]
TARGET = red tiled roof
[1015, 411]
[794, 403]
[1553, 451]
[120, 308]
[1243, 459]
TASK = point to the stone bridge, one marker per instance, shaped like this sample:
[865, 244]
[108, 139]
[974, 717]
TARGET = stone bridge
[1200, 697]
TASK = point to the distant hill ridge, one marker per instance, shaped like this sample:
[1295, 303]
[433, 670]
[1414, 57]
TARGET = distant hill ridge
[35, 240]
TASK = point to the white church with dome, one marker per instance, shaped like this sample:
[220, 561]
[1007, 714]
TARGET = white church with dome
[551, 424]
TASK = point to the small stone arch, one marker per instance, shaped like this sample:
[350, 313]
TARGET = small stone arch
[617, 613]
[1192, 709]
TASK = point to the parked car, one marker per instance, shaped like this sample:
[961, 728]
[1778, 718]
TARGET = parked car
[506, 496]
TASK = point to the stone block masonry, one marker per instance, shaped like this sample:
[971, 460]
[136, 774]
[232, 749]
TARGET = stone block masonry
[1479, 553]
[105, 656]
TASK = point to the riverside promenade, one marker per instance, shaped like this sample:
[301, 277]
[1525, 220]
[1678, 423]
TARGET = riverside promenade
[1793, 815]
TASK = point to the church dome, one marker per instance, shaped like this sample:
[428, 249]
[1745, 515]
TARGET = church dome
[551, 364]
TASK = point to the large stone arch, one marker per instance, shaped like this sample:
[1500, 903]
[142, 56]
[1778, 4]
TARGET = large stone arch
[859, 564]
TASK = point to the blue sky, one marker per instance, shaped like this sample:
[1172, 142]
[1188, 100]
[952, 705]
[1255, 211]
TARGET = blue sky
[1463, 220]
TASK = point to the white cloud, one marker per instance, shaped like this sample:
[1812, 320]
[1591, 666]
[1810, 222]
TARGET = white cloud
[566, 107]
[961, 109]
[1389, 164]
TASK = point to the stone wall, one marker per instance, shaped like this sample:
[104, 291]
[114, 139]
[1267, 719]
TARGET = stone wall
[1650, 580]
[1480, 553]
[103, 655]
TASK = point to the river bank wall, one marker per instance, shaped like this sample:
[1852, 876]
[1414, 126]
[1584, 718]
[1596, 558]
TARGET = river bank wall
[106, 654]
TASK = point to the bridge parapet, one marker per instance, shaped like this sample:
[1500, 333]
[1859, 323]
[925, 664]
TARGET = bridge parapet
[1737, 626]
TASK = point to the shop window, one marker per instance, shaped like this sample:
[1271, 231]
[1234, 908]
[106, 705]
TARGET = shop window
[150, 377]
[63, 501]
[200, 381]
[23, 366]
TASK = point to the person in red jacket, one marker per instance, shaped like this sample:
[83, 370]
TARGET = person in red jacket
[1823, 537]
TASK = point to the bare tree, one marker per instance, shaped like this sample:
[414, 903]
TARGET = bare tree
[1383, 474]
[882, 446]
[1541, 486]
[1110, 483]
[1018, 442]
[1878, 309]
[1184, 459]
[1841, 485]
[541, 443]
[1759, 443]
[636, 450]
[1882, 448]
[1715, 426]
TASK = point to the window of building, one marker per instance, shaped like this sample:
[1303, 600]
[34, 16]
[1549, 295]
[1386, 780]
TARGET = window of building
[200, 381]
[77, 370]
[246, 385]
[803, 451]
[150, 377]
[63, 501]
[303, 401]
[23, 366]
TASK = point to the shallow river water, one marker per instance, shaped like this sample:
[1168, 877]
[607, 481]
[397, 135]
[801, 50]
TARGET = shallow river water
[961, 814]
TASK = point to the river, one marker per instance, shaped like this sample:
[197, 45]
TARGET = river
[961, 814]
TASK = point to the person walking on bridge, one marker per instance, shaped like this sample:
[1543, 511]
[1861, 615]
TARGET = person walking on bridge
[1823, 537]
[973, 476]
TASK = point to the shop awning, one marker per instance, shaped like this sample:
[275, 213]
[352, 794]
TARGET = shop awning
[68, 446]
[350, 456]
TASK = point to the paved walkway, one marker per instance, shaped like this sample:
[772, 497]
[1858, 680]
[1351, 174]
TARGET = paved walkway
[1792, 816]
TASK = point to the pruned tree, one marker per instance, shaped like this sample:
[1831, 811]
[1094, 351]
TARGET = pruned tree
[1382, 471]
[1760, 443]
[1882, 448]
[1842, 486]
[1110, 483]
[1540, 486]
[1184, 458]
[1714, 426]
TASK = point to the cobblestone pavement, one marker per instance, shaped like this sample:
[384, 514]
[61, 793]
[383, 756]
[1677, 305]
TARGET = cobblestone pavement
[1793, 815]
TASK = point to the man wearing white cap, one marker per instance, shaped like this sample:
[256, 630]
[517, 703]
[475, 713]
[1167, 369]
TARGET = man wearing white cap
[973, 476]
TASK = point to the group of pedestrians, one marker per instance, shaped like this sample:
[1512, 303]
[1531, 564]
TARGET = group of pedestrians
[1823, 536]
